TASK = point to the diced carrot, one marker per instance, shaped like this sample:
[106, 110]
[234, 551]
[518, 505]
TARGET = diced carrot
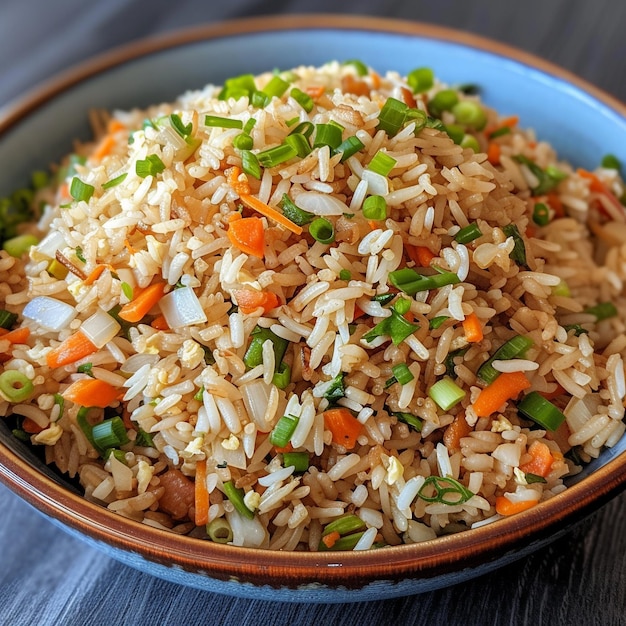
[493, 153]
[103, 148]
[595, 184]
[555, 203]
[91, 392]
[350, 84]
[281, 450]
[159, 323]
[74, 348]
[505, 507]
[421, 255]
[128, 247]
[201, 499]
[407, 96]
[375, 79]
[455, 431]
[115, 126]
[249, 300]
[344, 427]
[255, 204]
[505, 387]
[541, 461]
[530, 231]
[96, 273]
[472, 328]
[142, 302]
[248, 235]
[509, 122]
[17, 335]
[331, 539]
[315, 91]
[30, 426]
[238, 182]
[357, 312]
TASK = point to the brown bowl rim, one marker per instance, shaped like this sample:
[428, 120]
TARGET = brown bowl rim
[447, 554]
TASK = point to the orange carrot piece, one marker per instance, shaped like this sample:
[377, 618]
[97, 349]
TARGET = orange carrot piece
[103, 148]
[555, 203]
[74, 348]
[331, 539]
[509, 122]
[114, 126]
[505, 507]
[159, 323]
[255, 204]
[249, 300]
[420, 255]
[315, 91]
[142, 302]
[595, 184]
[96, 273]
[344, 427]
[455, 431]
[507, 386]
[248, 235]
[201, 495]
[238, 182]
[541, 461]
[30, 426]
[91, 392]
[472, 328]
[375, 79]
[17, 335]
[493, 153]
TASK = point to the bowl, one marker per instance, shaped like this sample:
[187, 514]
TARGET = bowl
[564, 110]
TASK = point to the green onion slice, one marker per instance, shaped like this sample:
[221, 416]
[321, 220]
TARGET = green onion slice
[283, 430]
[359, 66]
[299, 143]
[20, 245]
[114, 182]
[303, 99]
[81, 191]
[446, 393]
[436, 322]
[392, 116]
[282, 376]
[411, 282]
[150, 166]
[468, 233]
[602, 311]
[541, 214]
[250, 164]
[299, 461]
[402, 373]
[235, 496]
[396, 327]
[322, 230]
[328, 135]
[7, 319]
[254, 354]
[349, 146]
[444, 490]
[514, 347]
[276, 155]
[15, 386]
[110, 433]
[294, 213]
[375, 208]
[222, 122]
[219, 530]
[541, 411]
[382, 163]
[410, 420]
[518, 254]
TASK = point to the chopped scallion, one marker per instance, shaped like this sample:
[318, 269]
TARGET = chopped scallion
[254, 354]
[541, 411]
[392, 116]
[283, 430]
[445, 393]
[411, 282]
[382, 163]
[20, 245]
[249, 125]
[541, 214]
[219, 530]
[611, 162]
[327, 135]
[602, 311]
[150, 166]
[436, 322]
[282, 376]
[336, 389]
[468, 233]
[322, 230]
[110, 433]
[276, 155]
[375, 208]
[15, 386]
[80, 190]
[250, 164]
[294, 213]
[299, 461]
[222, 122]
[276, 87]
[402, 373]
[349, 146]
[359, 66]
[303, 99]
[304, 128]
[7, 319]
[114, 182]
[514, 347]
[184, 130]
[518, 254]
[299, 143]
[235, 495]
[396, 327]
[410, 420]
[547, 179]
[444, 490]
[238, 87]
[344, 525]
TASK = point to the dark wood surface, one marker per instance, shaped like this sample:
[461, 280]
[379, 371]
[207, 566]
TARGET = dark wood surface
[48, 577]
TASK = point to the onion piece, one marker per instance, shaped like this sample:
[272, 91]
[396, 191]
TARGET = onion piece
[377, 185]
[256, 395]
[321, 203]
[246, 532]
[48, 246]
[50, 312]
[100, 328]
[181, 307]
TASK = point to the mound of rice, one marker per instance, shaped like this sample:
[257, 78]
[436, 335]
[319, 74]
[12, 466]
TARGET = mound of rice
[304, 324]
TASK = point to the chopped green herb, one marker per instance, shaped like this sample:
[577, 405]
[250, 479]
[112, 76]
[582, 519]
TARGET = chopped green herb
[20, 245]
[410, 420]
[602, 311]
[328, 135]
[294, 213]
[375, 208]
[611, 162]
[85, 368]
[15, 386]
[282, 432]
[402, 373]
[303, 99]
[511, 349]
[541, 411]
[250, 164]
[382, 163]
[436, 322]
[533, 478]
[299, 461]
[349, 146]
[222, 122]
[7, 319]
[411, 282]
[299, 143]
[79, 254]
[322, 230]
[276, 155]
[392, 116]
[541, 214]
[468, 233]
[184, 130]
[219, 530]
[282, 376]
[518, 254]
[235, 495]
[150, 166]
[81, 191]
[396, 327]
[547, 179]
[444, 490]
[446, 393]
[337, 389]
[114, 182]
[359, 66]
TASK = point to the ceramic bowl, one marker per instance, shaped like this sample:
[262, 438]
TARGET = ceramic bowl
[583, 123]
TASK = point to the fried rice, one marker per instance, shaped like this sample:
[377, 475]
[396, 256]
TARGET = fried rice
[318, 309]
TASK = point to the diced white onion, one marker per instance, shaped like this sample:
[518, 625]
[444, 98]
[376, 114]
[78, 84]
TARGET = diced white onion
[246, 532]
[321, 203]
[49, 245]
[49, 312]
[255, 397]
[377, 185]
[181, 307]
[100, 328]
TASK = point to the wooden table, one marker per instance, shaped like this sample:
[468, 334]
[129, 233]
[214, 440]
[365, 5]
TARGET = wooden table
[48, 577]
